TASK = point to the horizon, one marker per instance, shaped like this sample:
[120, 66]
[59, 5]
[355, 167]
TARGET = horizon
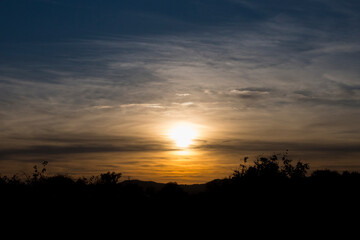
[178, 90]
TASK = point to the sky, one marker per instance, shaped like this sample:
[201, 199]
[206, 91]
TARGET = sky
[93, 86]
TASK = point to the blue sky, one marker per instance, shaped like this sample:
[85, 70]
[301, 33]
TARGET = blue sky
[92, 86]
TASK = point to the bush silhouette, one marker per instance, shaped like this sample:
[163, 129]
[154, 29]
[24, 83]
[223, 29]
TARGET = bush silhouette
[172, 191]
[276, 166]
[270, 184]
[39, 175]
[109, 178]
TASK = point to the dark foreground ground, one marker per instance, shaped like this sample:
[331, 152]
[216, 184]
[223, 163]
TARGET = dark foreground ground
[265, 194]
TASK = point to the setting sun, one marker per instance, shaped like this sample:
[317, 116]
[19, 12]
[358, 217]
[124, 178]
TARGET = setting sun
[183, 134]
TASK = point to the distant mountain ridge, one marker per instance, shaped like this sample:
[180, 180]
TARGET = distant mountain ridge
[156, 187]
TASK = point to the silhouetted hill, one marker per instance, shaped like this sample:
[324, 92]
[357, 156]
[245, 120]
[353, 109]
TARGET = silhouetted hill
[145, 185]
[156, 187]
[194, 188]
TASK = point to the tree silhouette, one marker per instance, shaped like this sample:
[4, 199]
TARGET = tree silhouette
[272, 167]
[172, 191]
[109, 178]
[39, 174]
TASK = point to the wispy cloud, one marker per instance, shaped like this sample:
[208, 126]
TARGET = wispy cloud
[145, 105]
[250, 92]
[183, 94]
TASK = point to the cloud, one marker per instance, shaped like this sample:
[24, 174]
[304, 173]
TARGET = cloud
[49, 145]
[313, 101]
[102, 107]
[250, 93]
[283, 72]
[184, 104]
[143, 105]
[251, 146]
[48, 150]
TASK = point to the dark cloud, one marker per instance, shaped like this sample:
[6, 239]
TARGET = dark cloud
[50, 150]
[258, 146]
[347, 97]
[350, 89]
[49, 145]
[305, 93]
[314, 101]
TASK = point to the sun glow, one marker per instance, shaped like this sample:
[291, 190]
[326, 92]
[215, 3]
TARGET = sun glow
[183, 134]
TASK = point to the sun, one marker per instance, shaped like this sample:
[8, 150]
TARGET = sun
[183, 134]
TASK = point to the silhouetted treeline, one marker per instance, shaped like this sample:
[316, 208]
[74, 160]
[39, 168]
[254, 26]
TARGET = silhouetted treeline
[271, 184]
